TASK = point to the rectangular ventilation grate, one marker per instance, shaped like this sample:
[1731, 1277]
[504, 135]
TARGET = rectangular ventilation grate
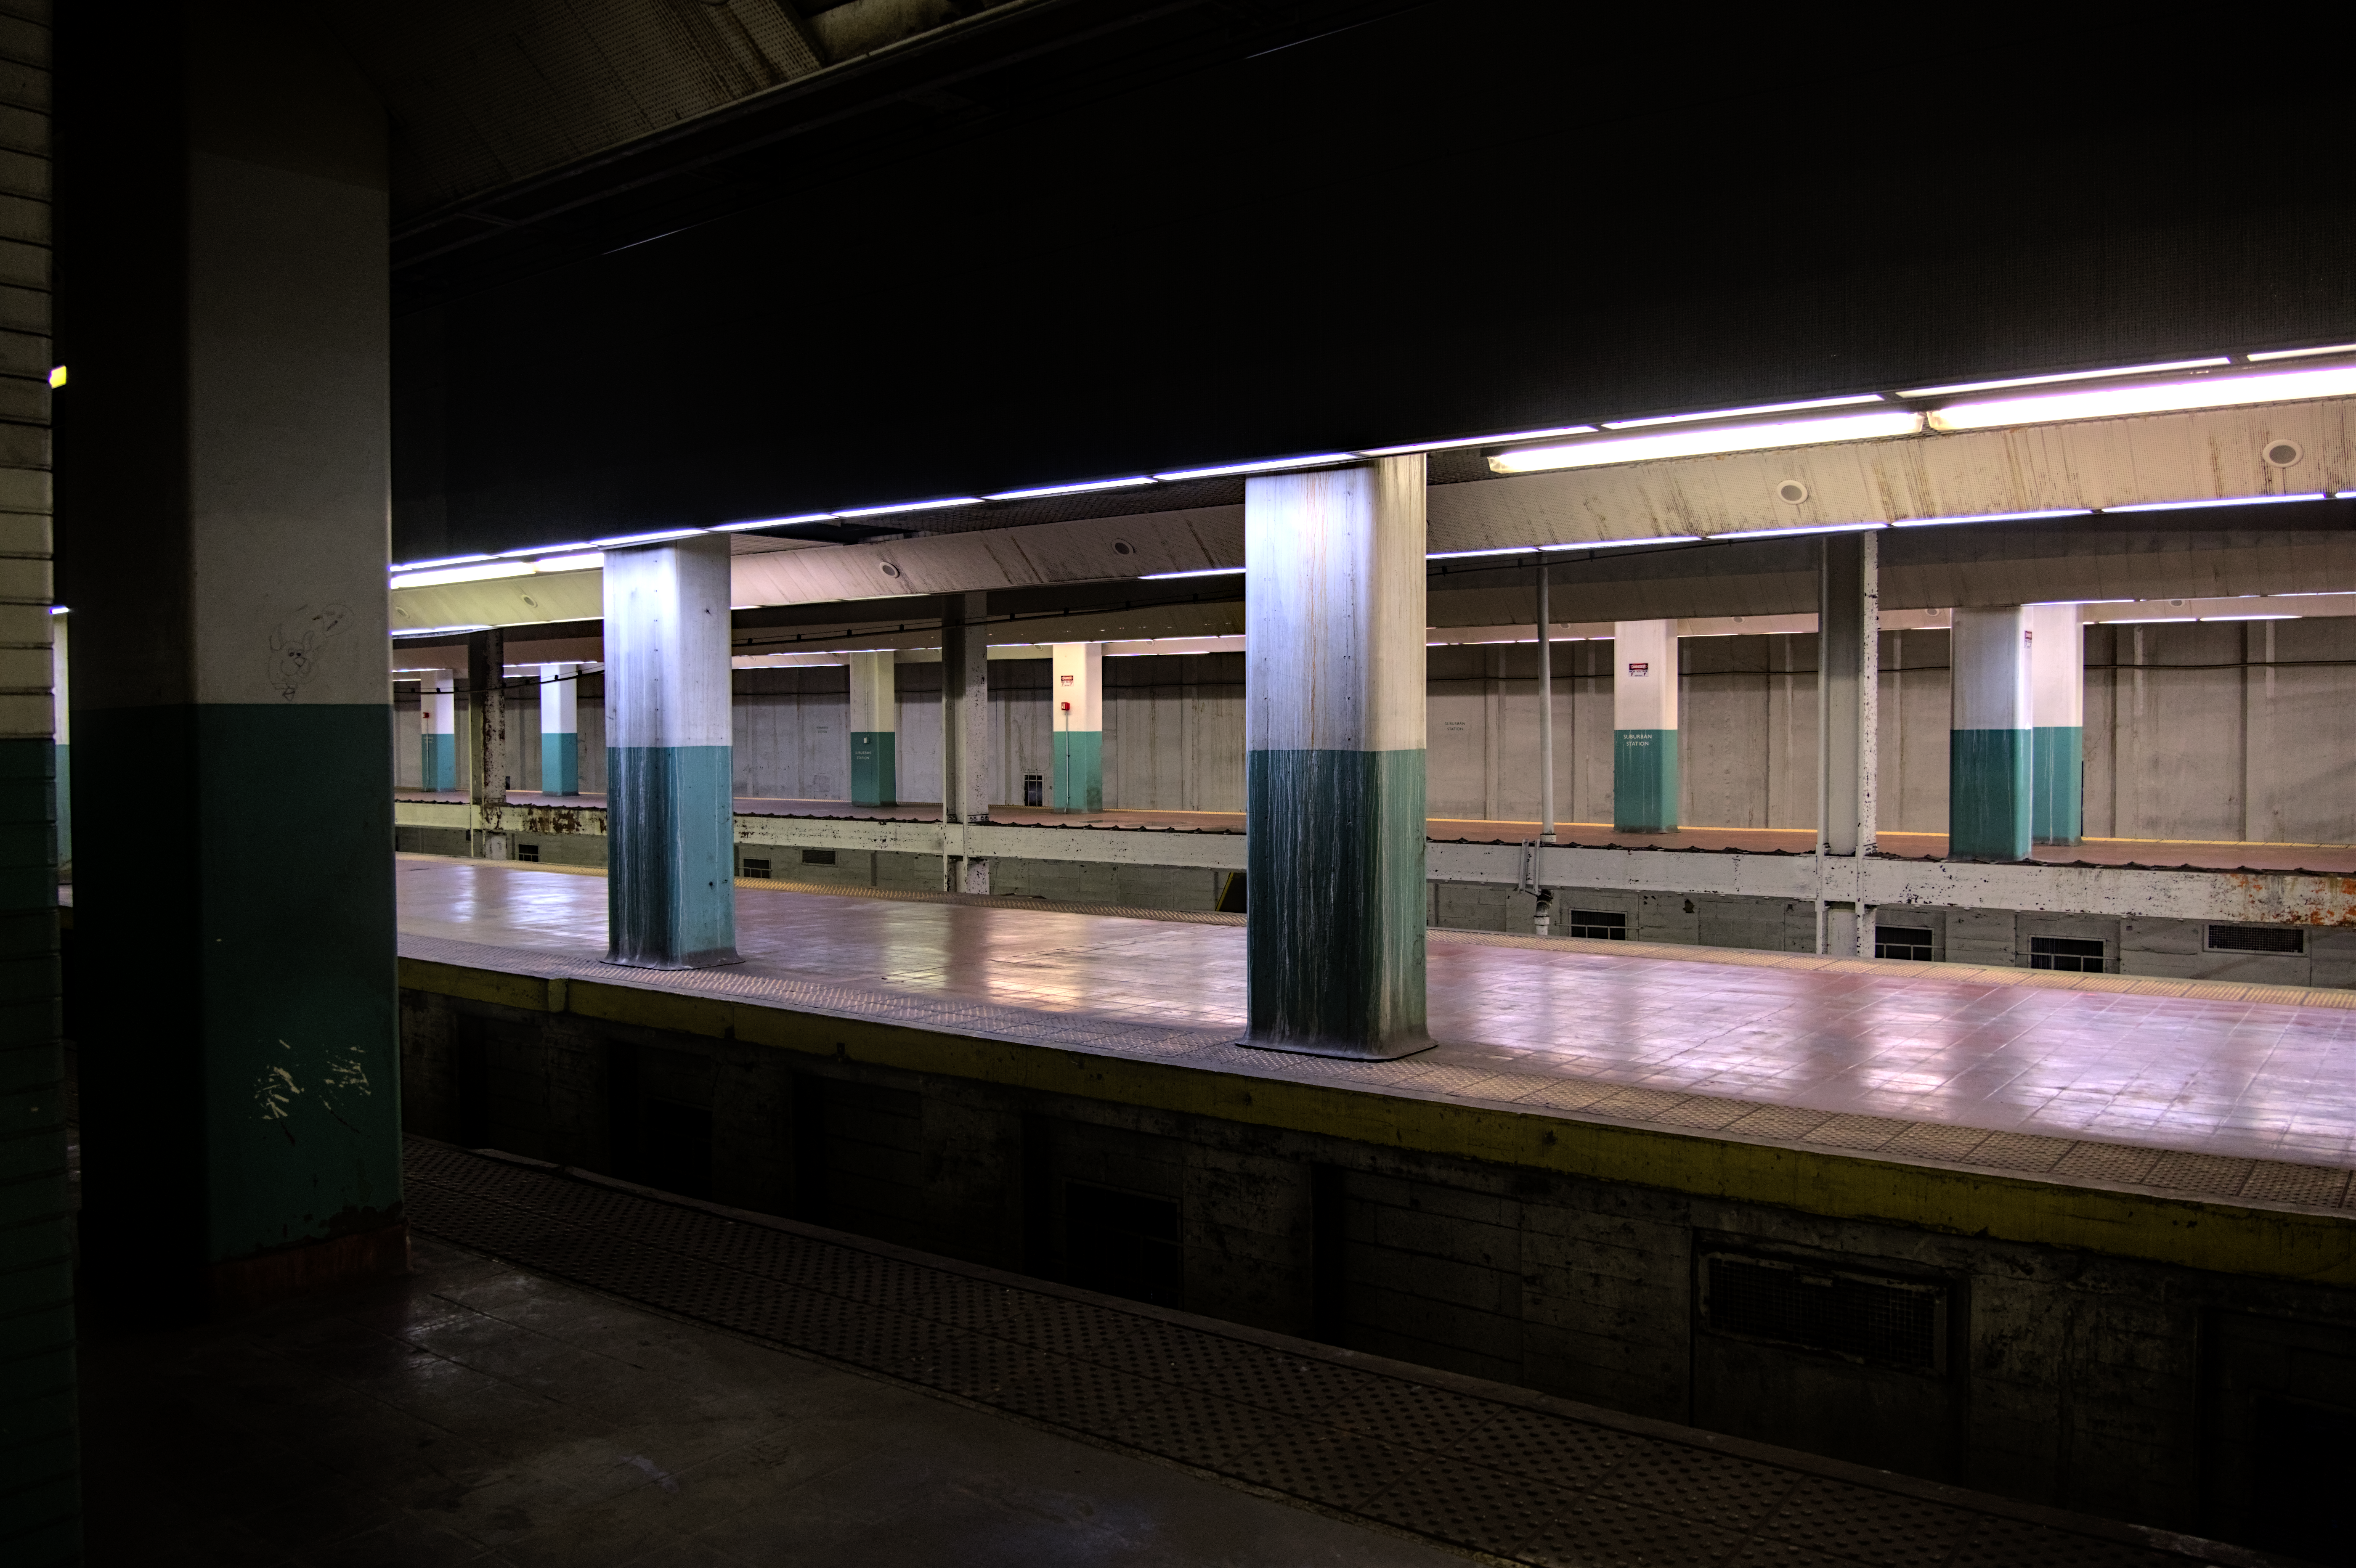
[2073, 955]
[1599, 925]
[1896, 1322]
[817, 857]
[2257, 939]
[1914, 942]
[757, 869]
[528, 853]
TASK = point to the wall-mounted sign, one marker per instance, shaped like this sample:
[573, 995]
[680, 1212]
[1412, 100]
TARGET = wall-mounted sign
[1638, 668]
[1067, 680]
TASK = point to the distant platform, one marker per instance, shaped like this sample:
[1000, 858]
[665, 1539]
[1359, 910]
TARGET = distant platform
[2221, 1092]
[2208, 855]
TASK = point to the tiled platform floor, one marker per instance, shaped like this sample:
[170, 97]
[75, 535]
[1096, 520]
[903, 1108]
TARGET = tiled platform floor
[2338, 860]
[1435, 1457]
[2221, 1090]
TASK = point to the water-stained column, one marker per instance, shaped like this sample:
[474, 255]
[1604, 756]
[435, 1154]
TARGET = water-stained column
[1849, 658]
[1644, 727]
[1991, 782]
[1334, 759]
[1077, 699]
[965, 737]
[670, 891]
[2057, 707]
[560, 728]
[874, 729]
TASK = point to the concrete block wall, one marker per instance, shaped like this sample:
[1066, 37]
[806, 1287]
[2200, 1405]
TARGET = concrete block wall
[2064, 1378]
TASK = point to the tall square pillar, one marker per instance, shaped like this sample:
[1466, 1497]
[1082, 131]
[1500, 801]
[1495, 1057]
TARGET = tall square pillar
[1334, 760]
[671, 887]
[874, 729]
[1644, 727]
[1989, 772]
[965, 737]
[1848, 660]
[61, 709]
[228, 474]
[1077, 700]
[560, 728]
[2056, 704]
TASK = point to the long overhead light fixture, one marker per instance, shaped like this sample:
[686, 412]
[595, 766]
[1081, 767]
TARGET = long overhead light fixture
[1954, 388]
[1037, 491]
[2228, 501]
[1199, 571]
[1477, 441]
[1799, 532]
[1848, 402]
[1994, 517]
[2301, 353]
[2148, 397]
[773, 522]
[657, 536]
[1707, 441]
[934, 505]
[439, 631]
[1266, 465]
[486, 572]
[437, 561]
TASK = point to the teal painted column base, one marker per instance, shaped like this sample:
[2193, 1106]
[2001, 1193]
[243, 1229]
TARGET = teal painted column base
[2058, 787]
[1644, 780]
[560, 764]
[1079, 770]
[874, 767]
[670, 883]
[1334, 860]
[239, 1022]
[1989, 794]
[437, 762]
[65, 804]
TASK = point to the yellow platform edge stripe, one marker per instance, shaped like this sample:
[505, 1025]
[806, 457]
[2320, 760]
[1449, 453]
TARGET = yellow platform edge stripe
[2190, 1232]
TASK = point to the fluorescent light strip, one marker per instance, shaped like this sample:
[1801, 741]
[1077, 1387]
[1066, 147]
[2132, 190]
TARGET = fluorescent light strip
[1848, 402]
[2072, 375]
[438, 560]
[540, 550]
[1621, 544]
[656, 538]
[2301, 353]
[2152, 398]
[2275, 617]
[1270, 466]
[2147, 621]
[1994, 517]
[1796, 533]
[910, 507]
[1706, 442]
[1477, 441]
[440, 630]
[773, 522]
[57, 609]
[1199, 571]
[1130, 484]
[2197, 506]
[587, 560]
[488, 572]
[1467, 554]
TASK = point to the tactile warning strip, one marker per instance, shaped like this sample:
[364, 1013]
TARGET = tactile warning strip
[1459, 1463]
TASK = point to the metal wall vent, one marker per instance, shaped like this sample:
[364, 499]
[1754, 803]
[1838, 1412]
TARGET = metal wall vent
[2257, 939]
[1863, 1318]
[756, 869]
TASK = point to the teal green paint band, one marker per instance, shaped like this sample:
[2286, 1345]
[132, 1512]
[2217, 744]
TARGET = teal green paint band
[670, 889]
[65, 803]
[1644, 781]
[560, 762]
[874, 767]
[2059, 775]
[1989, 794]
[438, 761]
[1079, 770]
[1335, 863]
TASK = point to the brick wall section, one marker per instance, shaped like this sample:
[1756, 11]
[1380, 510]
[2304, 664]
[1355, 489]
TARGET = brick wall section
[39, 1496]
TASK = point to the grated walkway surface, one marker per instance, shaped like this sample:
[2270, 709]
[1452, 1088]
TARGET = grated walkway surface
[1479, 1466]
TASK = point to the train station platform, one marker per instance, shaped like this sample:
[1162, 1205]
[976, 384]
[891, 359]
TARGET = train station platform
[2208, 855]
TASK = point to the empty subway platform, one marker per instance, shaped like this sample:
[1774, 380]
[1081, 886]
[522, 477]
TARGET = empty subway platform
[2060, 1238]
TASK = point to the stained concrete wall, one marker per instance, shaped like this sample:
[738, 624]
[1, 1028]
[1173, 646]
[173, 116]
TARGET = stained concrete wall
[2064, 1378]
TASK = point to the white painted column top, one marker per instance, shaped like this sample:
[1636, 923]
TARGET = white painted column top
[2057, 668]
[874, 697]
[1989, 653]
[560, 698]
[1644, 674]
[1078, 680]
[666, 670]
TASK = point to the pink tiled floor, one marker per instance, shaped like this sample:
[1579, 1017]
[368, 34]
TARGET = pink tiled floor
[2263, 1080]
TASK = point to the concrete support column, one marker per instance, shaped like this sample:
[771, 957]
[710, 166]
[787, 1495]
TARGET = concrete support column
[60, 689]
[437, 730]
[1989, 775]
[670, 888]
[1334, 760]
[874, 729]
[490, 765]
[560, 728]
[1849, 656]
[2057, 707]
[1644, 727]
[238, 1019]
[965, 737]
[1077, 695]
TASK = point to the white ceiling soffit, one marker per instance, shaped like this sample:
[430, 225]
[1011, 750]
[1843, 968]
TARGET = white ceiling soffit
[2209, 455]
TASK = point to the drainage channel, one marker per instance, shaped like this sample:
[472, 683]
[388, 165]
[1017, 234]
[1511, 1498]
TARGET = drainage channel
[1481, 1466]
